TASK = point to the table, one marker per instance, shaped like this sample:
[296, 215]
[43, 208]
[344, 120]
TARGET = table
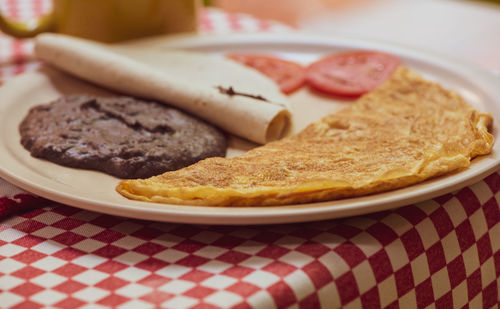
[447, 27]
[440, 253]
[460, 29]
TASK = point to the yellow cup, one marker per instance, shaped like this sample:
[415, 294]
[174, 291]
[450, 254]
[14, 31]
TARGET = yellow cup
[110, 20]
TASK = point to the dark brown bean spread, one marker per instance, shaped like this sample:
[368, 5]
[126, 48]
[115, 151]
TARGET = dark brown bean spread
[121, 136]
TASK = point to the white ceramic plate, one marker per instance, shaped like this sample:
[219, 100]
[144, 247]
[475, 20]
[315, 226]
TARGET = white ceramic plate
[95, 191]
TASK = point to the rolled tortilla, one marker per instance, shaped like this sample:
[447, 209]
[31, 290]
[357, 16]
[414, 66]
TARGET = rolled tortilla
[237, 111]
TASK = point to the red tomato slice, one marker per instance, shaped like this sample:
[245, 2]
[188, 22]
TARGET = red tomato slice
[352, 73]
[289, 75]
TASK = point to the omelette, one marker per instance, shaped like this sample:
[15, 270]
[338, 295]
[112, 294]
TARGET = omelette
[405, 131]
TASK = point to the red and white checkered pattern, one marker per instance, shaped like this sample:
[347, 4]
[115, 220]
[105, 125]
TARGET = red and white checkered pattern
[439, 254]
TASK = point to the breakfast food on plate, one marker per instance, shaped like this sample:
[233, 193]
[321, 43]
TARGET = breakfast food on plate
[121, 136]
[403, 132]
[260, 116]
[288, 75]
[351, 73]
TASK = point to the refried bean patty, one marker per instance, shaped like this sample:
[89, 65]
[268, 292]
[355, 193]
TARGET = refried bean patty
[121, 136]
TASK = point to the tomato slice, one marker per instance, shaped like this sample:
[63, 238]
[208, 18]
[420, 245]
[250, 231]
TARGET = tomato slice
[289, 75]
[351, 73]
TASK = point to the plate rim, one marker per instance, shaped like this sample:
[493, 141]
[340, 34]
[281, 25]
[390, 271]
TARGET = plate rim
[279, 214]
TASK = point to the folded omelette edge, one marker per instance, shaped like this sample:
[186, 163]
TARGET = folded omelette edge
[404, 132]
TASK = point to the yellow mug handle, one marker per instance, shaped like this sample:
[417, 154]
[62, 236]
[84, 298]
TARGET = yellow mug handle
[29, 28]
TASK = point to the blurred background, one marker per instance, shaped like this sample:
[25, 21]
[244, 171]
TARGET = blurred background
[468, 30]
[463, 29]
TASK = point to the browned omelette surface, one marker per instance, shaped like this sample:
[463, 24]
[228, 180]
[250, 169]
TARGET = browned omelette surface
[402, 133]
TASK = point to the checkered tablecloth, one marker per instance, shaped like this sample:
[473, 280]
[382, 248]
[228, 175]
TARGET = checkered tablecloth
[438, 254]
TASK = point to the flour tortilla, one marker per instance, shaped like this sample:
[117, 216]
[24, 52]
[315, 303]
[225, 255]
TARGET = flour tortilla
[201, 69]
[177, 83]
